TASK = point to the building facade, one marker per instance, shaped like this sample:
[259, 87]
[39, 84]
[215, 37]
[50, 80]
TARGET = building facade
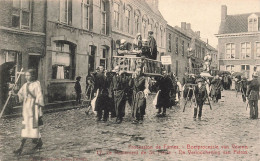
[78, 40]
[239, 42]
[138, 16]
[187, 50]
[22, 39]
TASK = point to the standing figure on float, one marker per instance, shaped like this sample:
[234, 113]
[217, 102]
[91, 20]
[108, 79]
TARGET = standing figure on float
[207, 62]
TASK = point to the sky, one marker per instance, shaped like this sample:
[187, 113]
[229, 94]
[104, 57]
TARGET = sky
[204, 15]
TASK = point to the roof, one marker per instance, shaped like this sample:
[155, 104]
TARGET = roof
[235, 23]
[151, 9]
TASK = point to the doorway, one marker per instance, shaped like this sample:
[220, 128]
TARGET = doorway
[33, 63]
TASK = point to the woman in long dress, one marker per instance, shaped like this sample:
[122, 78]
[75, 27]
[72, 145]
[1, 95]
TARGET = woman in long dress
[31, 95]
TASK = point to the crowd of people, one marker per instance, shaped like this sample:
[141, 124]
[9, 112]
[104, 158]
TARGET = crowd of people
[112, 90]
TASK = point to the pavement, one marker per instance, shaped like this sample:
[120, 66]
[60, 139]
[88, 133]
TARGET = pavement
[223, 133]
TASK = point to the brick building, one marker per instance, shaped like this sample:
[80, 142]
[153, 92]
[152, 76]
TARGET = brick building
[239, 42]
[183, 43]
[78, 40]
[22, 37]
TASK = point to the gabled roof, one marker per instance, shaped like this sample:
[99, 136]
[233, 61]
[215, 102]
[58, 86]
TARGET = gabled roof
[235, 23]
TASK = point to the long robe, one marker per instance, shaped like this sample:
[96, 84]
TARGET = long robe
[152, 44]
[165, 85]
[31, 95]
[139, 84]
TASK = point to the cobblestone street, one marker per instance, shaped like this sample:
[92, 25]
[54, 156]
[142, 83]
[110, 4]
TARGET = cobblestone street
[71, 135]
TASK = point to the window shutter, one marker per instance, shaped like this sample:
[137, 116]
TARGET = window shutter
[91, 16]
[107, 17]
[70, 12]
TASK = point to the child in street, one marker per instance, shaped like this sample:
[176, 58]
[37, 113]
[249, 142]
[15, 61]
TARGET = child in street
[77, 88]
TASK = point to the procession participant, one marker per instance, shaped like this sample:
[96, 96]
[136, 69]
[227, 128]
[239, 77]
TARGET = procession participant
[237, 82]
[77, 88]
[137, 43]
[152, 44]
[179, 89]
[253, 96]
[165, 85]
[140, 92]
[90, 83]
[173, 90]
[102, 96]
[31, 95]
[188, 92]
[216, 88]
[200, 96]
[119, 86]
[225, 81]
[244, 88]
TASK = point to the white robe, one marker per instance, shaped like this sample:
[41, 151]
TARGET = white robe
[31, 109]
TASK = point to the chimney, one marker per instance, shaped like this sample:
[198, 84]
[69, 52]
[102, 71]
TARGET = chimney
[183, 25]
[223, 12]
[188, 27]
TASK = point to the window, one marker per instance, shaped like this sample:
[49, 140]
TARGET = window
[156, 31]
[86, 9]
[161, 29]
[182, 46]
[253, 24]
[145, 26]
[66, 11]
[116, 15]
[137, 21]
[103, 60]
[230, 68]
[63, 65]
[170, 43]
[151, 22]
[21, 14]
[257, 50]
[245, 50]
[230, 51]
[103, 17]
[177, 45]
[245, 69]
[11, 61]
[128, 19]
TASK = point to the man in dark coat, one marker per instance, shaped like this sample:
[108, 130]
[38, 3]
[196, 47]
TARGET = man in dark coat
[188, 81]
[253, 96]
[165, 86]
[237, 82]
[243, 84]
[140, 86]
[152, 44]
[77, 88]
[216, 88]
[119, 86]
[201, 95]
[101, 85]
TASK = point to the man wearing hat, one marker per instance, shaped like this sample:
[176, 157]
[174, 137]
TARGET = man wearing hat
[216, 88]
[253, 96]
[152, 44]
[201, 95]
[77, 88]
[101, 85]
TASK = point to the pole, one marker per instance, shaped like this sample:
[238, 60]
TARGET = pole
[6, 102]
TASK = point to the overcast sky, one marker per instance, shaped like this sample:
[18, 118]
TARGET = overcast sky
[204, 15]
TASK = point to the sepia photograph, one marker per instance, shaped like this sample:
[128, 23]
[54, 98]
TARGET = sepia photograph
[129, 80]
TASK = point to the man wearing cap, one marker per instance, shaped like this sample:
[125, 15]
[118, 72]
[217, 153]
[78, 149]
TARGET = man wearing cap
[165, 85]
[253, 96]
[201, 95]
[101, 85]
[119, 86]
[152, 44]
